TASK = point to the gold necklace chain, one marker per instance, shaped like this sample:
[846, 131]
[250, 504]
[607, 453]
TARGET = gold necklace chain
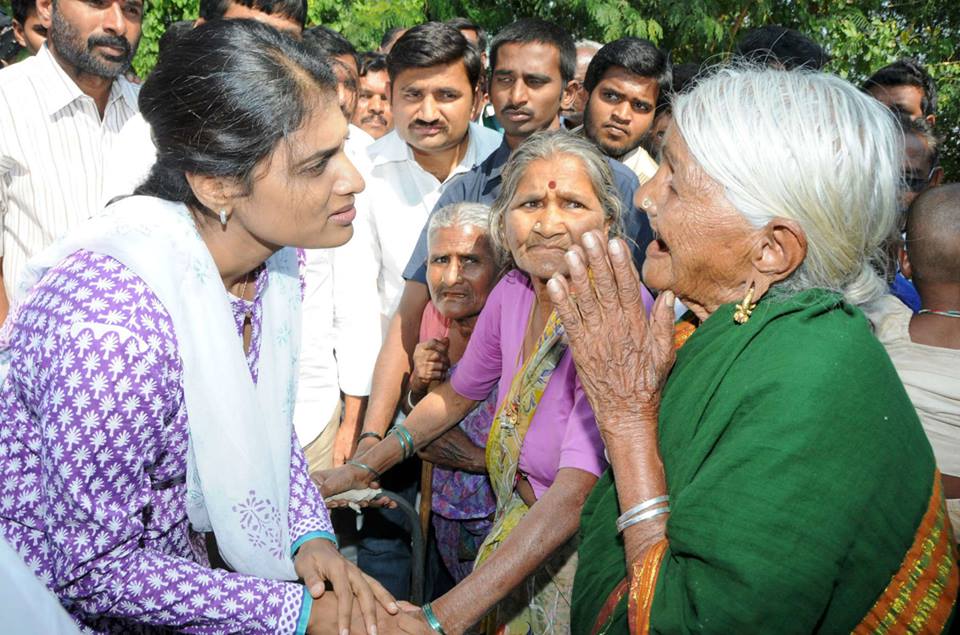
[243, 289]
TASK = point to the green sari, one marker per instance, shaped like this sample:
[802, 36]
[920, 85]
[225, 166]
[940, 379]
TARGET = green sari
[803, 490]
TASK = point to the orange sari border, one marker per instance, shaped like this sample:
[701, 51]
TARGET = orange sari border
[682, 331]
[601, 623]
[921, 595]
[642, 585]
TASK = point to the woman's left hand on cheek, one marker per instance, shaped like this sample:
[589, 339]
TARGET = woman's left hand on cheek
[622, 358]
[318, 561]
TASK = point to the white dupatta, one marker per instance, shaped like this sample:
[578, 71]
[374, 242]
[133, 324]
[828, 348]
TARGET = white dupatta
[238, 467]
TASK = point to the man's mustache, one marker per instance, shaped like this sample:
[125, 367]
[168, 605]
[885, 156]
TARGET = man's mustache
[420, 123]
[113, 41]
[509, 110]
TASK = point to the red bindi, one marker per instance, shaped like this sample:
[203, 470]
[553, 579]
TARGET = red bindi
[552, 185]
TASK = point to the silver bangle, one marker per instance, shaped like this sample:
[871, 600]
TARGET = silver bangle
[410, 400]
[639, 518]
[636, 509]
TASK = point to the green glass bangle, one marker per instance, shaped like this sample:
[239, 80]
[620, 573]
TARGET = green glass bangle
[406, 433]
[402, 431]
[364, 466]
[432, 619]
[404, 450]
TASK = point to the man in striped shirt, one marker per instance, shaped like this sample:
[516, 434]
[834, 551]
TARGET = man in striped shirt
[60, 114]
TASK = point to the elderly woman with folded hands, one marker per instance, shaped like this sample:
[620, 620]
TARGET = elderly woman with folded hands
[770, 475]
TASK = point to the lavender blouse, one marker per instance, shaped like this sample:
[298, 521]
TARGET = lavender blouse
[563, 432]
[93, 453]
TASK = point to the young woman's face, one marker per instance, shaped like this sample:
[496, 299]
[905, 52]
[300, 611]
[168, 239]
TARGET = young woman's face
[303, 194]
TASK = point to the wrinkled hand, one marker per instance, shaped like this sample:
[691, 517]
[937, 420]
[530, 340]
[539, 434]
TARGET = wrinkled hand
[622, 356]
[431, 361]
[345, 478]
[318, 560]
[454, 450]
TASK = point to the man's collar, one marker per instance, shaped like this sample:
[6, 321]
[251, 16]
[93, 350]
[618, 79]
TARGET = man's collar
[495, 162]
[391, 148]
[469, 160]
[61, 90]
[128, 91]
[638, 153]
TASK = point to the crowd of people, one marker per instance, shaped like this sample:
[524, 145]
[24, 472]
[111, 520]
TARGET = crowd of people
[657, 347]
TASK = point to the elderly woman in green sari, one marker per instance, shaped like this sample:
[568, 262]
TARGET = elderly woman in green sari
[770, 474]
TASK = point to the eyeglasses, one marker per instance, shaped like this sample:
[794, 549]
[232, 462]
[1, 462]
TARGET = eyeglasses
[918, 183]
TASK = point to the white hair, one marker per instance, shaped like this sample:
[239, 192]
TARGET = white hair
[589, 44]
[459, 215]
[465, 214]
[809, 147]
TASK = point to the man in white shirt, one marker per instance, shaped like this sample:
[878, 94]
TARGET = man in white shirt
[571, 117]
[61, 112]
[434, 74]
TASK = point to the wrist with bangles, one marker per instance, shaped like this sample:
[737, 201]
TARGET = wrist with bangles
[432, 618]
[407, 447]
[646, 510]
[370, 435]
[365, 468]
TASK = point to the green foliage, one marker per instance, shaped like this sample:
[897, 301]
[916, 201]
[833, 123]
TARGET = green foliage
[158, 15]
[861, 36]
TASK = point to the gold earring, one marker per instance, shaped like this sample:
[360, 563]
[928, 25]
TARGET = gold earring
[745, 309]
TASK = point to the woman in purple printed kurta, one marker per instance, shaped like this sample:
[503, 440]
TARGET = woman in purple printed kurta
[93, 451]
[149, 367]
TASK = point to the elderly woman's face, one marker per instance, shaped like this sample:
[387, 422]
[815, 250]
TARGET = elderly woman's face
[552, 208]
[702, 244]
[461, 270]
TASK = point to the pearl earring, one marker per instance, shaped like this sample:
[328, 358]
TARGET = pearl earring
[223, 217]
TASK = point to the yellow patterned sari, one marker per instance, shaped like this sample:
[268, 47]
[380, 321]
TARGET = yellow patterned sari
[541, 604]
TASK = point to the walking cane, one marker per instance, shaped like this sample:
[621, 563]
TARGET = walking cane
[426, 497]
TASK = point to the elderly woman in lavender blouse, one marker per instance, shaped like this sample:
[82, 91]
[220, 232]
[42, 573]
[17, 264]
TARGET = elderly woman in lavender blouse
[544, 452]
[148, 369]
[462, 269]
